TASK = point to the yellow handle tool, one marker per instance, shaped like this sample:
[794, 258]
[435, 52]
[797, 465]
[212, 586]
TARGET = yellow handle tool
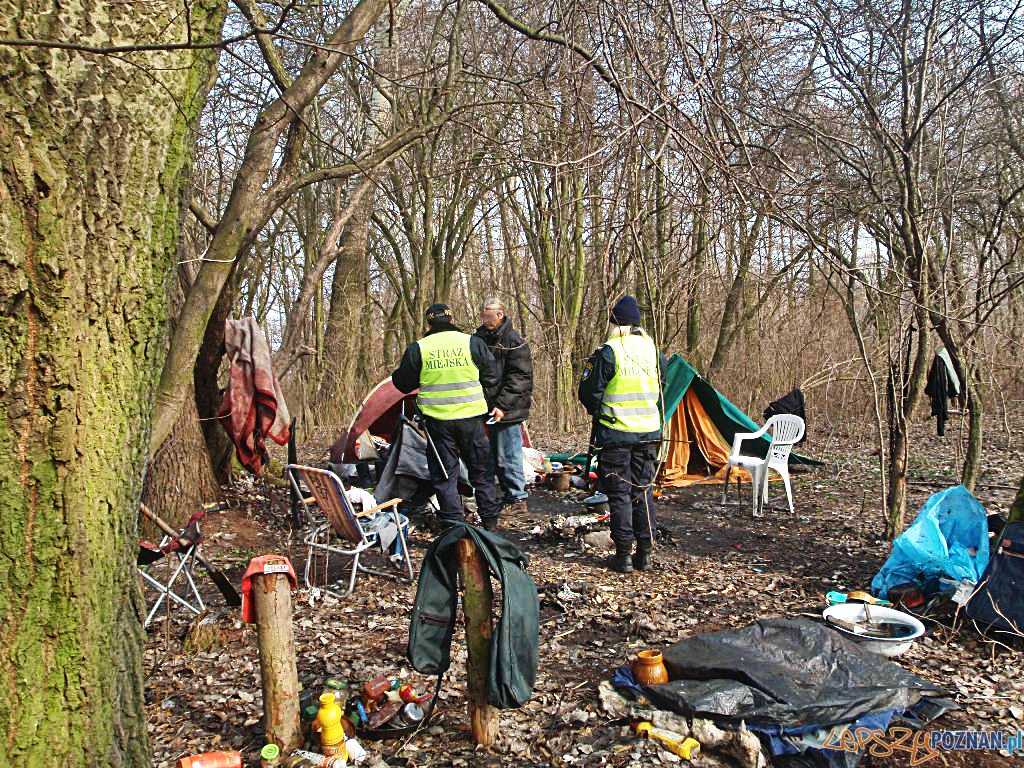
[686, 747]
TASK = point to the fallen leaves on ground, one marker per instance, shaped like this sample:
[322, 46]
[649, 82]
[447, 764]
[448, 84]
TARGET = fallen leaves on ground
[716, 568]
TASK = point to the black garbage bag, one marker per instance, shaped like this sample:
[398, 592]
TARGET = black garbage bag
[997, 606]
[787, 674]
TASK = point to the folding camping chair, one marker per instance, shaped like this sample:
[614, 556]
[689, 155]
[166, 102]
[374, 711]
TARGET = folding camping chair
[185, 548]
[359, 531]
[786, 430]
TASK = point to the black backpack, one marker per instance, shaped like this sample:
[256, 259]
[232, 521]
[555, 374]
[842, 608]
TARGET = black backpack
[513, 666]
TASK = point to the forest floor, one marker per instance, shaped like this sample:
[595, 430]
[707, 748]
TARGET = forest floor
[718, 568]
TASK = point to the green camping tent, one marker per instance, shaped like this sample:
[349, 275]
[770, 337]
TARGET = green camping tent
[701, 425]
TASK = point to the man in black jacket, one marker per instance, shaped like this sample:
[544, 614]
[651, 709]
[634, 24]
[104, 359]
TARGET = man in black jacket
[511, 401]
[456, 378]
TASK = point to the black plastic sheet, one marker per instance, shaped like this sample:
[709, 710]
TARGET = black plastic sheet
[785, 674]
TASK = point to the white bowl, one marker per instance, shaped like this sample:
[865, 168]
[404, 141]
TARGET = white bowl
[853, 613]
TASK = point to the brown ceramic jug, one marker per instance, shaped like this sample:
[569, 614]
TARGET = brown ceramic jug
[649, 668]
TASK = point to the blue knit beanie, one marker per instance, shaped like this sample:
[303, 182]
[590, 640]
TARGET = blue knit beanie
[626, 311]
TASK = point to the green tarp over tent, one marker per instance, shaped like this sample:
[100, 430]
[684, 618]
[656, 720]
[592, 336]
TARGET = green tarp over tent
[710, 422]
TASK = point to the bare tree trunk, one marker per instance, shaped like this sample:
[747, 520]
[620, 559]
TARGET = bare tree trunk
[901, 400]
[697, 283]
[179, 479]
[1016, 513]
[345, 378]
[95, 151]
[207, 387]
[975, 428]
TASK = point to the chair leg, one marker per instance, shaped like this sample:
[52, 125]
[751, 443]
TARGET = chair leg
[167, 591]
[756, 479]
[355, 573]
[725, 483]
[192, 583]
[403, 543]
[789, 491]
[309, 560]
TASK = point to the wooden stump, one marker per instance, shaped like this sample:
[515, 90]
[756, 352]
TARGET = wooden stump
[477, 607]
[272, 599]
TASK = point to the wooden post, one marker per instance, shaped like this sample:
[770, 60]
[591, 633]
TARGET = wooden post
[272, 599]
[477, 599]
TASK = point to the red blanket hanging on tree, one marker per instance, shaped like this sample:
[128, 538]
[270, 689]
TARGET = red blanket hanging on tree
[253, 407]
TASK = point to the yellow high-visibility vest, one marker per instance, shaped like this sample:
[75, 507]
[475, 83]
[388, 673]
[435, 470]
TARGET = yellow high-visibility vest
[631, 398]
[449, 379]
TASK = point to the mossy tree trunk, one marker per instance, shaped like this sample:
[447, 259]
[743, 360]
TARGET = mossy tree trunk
[94, 151]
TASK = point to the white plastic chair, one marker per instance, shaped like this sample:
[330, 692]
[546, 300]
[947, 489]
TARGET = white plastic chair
[786, 431]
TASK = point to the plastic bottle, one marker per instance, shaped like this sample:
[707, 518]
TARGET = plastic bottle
[212, 760]
[328, 719]
[339, 688]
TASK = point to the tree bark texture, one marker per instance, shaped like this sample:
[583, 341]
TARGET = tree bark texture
[1016, 514]
[94, 151]
[344, 378]
[478, 610]
[272, 598]
[178, 479]
[218, 446]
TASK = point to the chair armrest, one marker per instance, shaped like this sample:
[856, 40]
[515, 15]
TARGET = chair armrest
[739, 437]
[379, 507]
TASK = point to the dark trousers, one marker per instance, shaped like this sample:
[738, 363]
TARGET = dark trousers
[626, 474]
[465, 439]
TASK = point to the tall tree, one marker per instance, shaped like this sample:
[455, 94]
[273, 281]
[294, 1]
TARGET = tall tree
[274, 149]
[95, 150]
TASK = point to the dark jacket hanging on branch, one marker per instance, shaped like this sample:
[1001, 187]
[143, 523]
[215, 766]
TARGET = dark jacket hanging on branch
[792, 403]
[942, 386]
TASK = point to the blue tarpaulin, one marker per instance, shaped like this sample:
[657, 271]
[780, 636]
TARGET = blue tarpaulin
[948, 540]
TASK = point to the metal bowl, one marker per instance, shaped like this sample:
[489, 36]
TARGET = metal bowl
[843, 616]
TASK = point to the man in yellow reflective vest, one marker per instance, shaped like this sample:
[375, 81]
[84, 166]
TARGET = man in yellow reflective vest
[621, 389]
[456, 377]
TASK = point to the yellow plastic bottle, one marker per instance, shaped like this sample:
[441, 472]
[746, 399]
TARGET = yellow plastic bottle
[328, 720]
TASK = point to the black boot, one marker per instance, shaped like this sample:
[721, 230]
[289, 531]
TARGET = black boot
[620, 561]
[642, 557]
